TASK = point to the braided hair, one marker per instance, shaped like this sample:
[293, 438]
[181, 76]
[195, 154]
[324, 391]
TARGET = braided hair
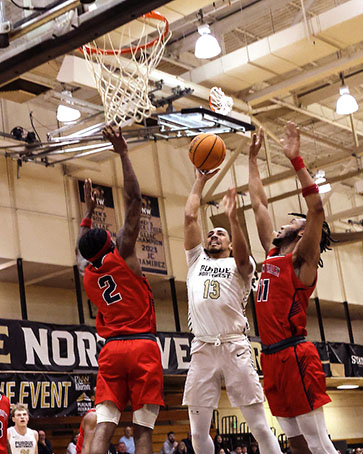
[326, 238]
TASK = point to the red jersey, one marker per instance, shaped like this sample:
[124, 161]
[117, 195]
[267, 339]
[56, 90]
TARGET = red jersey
[4, 420]
[124, 300]
[81, 433]
[282, 300]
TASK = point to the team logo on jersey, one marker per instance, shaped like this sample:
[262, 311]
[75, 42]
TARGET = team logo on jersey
[271, 269]
[23, 444]
[3, 414]
[215, 271]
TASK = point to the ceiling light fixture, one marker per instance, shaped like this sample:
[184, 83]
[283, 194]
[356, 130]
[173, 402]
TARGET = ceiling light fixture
[66, 113]
[207, 45]
[346, 103]
[347, 386]
[320, 179]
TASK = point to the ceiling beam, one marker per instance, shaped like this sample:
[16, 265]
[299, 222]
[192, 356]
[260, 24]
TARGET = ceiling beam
[327, 116]
[323, 162]
[304, 79]
[240, 18]
[5, 265]
[44, 277]
[352, 212]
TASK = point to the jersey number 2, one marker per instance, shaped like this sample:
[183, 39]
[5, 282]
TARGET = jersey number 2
[263, 288]
[109, 294]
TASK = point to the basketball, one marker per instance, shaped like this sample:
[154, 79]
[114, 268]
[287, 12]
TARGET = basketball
[207, 151]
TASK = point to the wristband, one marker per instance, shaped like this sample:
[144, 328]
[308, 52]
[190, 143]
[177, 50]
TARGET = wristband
[86, 222]
[298, 163]
[313, 189]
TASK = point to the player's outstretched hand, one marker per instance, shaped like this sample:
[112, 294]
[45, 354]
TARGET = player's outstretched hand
[291, 141]
[205, 176]
[117, 139]
[256, 143]
[89, 196]
[230, 205]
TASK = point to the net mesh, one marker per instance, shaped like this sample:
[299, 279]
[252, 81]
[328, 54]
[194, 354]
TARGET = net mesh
[122, 71]
[219, 102]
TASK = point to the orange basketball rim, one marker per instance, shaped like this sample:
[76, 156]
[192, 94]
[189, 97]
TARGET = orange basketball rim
[131, 50]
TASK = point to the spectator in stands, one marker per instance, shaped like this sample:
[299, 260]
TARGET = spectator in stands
[220, 444]
[254, 448]
[170, 445]
[188, 443]
[181, 448]
[238, 450]
[244, 449]
[128, 439]
[358, 450]
[71, 448]
[44, 445]
[121, 448]
[221, 451]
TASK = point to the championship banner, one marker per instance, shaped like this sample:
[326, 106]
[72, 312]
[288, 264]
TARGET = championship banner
[104, 214]
[150, 246]
[50, 395]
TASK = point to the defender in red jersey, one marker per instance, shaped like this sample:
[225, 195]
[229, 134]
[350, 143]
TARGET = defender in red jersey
[130, 362]
[86, 432]
[294, 380]
[4, 420]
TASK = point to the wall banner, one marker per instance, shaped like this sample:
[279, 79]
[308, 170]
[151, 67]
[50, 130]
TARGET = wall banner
[43, 348]
[150, 244]
[50, 395]
[104, 214]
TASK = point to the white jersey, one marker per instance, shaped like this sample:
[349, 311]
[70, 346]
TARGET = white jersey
[217, 295]
[22, 444]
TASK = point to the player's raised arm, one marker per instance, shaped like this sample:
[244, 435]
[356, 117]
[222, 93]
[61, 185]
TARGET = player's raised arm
[86, 224]
[239, 244]
[307, 251]
[192, 232]
[258, 196]
[126, 238]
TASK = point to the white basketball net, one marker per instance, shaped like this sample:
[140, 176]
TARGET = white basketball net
[122, 75]
[219, 102]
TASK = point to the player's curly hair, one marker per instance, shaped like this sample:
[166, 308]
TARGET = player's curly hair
[94, 244]
[326, 238]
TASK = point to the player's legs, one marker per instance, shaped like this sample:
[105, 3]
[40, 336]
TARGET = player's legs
[312, 426]
[144, 420]
[256, 420]
[293, 432]
[143, 439]
[108, 416]
[200, 419]
[298, 445]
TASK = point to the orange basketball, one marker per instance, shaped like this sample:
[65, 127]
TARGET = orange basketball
[207, 151]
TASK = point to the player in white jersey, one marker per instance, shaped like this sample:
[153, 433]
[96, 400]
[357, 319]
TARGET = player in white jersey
[218, 287]
[22, 440]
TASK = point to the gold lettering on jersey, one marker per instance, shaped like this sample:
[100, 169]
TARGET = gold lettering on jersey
[215, 271]
[4, 359]
[23, 443]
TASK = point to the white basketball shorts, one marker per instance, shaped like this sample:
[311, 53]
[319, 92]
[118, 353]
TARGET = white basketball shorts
[210, 364]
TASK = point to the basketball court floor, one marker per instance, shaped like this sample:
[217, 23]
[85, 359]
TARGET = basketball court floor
[278, 61]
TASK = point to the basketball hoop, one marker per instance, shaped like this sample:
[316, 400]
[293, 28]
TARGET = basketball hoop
[219, 102]
[122, 71]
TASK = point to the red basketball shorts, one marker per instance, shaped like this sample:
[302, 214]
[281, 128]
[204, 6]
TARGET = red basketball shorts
[294, 381]
[130, 370]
